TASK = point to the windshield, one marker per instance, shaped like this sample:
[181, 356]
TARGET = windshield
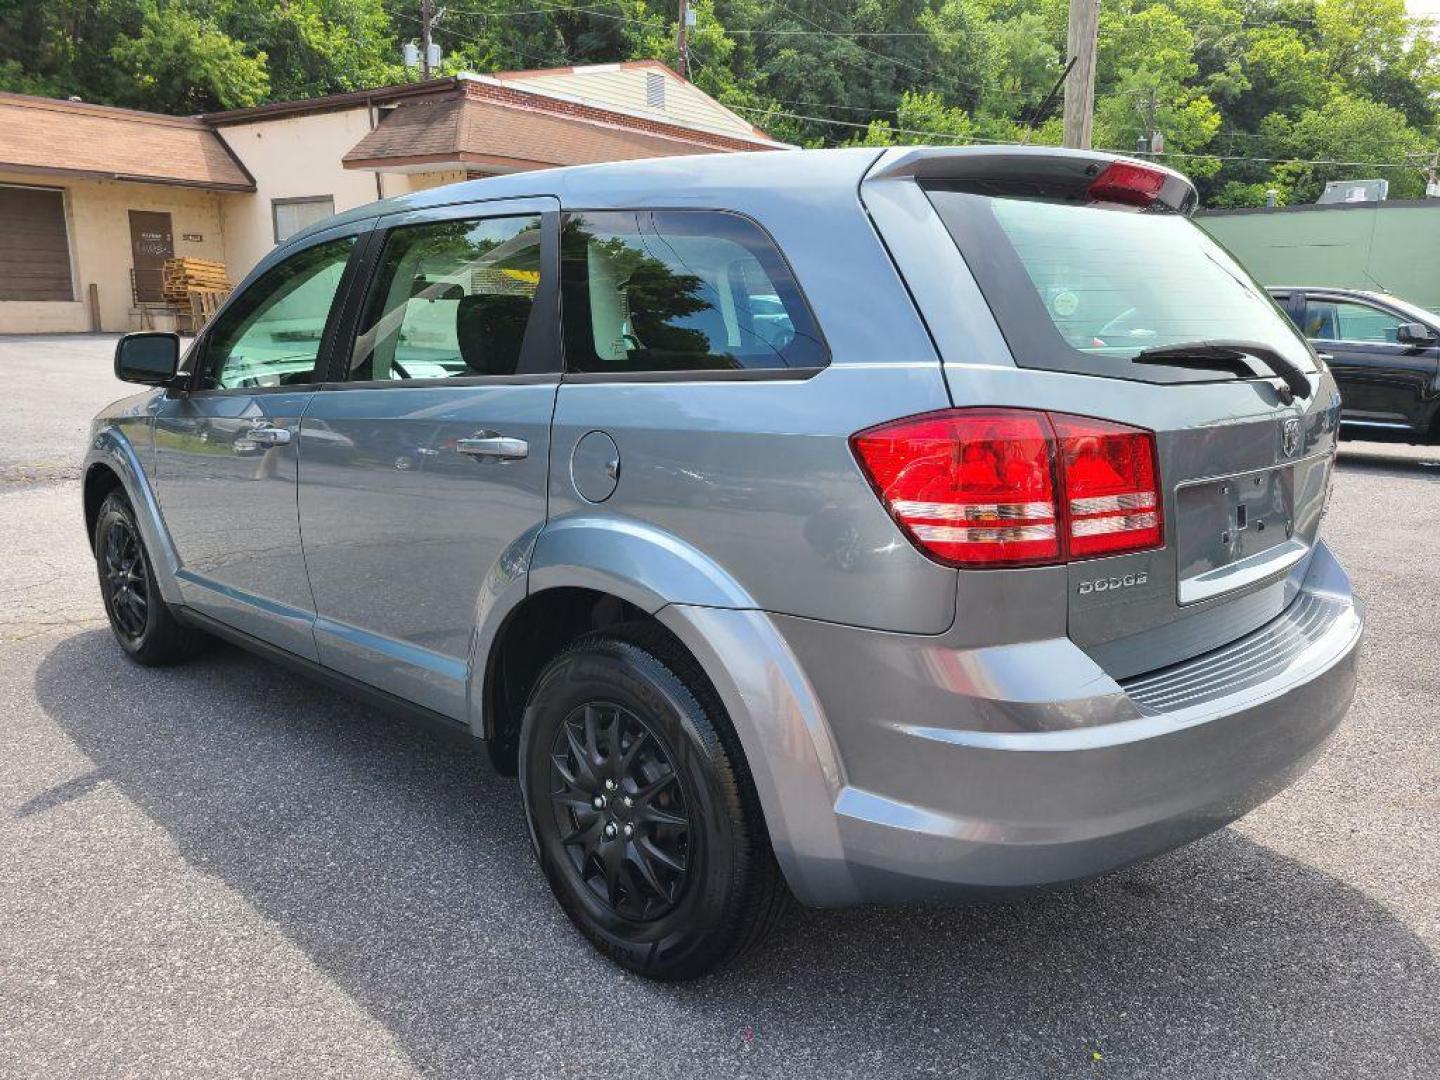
[1088, 288]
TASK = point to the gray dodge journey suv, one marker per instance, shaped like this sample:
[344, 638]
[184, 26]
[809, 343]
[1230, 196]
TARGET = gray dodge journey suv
[862, 525]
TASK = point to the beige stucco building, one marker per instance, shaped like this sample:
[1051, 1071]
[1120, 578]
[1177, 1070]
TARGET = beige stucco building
[93, 198]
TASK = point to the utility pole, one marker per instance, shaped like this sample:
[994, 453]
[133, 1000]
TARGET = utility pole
[682, 43]
[428, 19]
[1080, 86]
[1149, 144]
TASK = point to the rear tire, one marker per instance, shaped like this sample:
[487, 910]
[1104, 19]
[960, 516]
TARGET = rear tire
[641, 807]
[140, 619]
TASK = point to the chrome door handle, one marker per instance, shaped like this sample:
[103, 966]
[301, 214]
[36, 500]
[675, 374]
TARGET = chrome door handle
[269, 436]
[486, 445]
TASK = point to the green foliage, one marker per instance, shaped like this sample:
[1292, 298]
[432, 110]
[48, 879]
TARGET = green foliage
[187, 62]
[920, 119]
[1235, 194]
[1349, 129]
[1238, 88]
[319, 47]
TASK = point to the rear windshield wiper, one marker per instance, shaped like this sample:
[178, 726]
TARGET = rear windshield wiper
[1225, 354]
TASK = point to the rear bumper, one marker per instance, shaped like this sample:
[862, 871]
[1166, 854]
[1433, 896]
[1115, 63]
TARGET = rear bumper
[965, 771]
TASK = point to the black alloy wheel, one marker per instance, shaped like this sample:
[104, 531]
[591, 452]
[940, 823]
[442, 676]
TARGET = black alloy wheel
[124, 581]
[141, 621]
[641, 807]
[620, 810]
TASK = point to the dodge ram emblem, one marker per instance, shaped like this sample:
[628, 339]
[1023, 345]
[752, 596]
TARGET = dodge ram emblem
[1290, 436]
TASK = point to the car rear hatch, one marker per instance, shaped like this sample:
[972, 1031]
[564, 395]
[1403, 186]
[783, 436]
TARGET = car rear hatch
[1075, 284]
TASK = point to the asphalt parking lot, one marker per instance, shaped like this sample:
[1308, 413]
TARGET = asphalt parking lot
[224, 870]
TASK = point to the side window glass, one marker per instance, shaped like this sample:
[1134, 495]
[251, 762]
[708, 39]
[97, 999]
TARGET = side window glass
[1339, 320]
[270, 335]
[450, 299]
[682, 290]
[1319, 320]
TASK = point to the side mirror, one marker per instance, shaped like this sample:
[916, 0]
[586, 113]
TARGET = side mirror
[1414, 333]
[149, 358]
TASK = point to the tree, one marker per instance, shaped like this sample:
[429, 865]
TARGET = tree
[179, 63]
[1237, 87]
[316, 47]
[1361, 137]
[921, 118]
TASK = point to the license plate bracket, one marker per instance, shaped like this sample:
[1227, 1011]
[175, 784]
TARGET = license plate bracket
[1232, 523]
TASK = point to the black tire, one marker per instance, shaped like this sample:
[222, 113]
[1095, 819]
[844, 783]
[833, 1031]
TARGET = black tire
[140, 619]
[593, 701]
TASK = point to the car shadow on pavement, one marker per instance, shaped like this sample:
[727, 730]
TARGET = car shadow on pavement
[400, 865]
[1424, 463]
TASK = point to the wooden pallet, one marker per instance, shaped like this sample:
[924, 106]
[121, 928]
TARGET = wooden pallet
[184, 275]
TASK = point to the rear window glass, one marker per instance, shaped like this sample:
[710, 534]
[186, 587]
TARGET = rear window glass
[681, 290]
[1088, 288]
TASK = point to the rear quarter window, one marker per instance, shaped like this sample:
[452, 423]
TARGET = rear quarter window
[680, 290]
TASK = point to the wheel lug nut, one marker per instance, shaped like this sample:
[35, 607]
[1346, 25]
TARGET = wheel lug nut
[629, 830]
[610, 829]
[598, 802]
[629, 802]
[609, 785]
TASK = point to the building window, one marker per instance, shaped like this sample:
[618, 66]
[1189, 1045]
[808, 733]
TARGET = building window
[34, 245]
[294, 215]
[655, 90]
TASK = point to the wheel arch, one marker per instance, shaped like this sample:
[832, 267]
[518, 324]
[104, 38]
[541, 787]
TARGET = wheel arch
[579, 573]
[114, 464]
[588, 574]
[100, 480]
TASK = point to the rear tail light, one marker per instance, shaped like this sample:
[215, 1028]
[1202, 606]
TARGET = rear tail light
[1111, 485]
[1015, 487]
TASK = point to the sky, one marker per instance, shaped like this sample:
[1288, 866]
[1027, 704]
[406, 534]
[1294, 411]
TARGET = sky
[1424, 7]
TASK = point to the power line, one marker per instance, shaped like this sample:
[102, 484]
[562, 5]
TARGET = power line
[1002, 142]
[503, 45]
[856, 44]
[820, 31]
[853, 124]
[849, 39]
[824, 33]
[597, 13]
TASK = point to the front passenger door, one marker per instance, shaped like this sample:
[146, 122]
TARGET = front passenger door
[423, 466]
[226, 449]
[1384, 385]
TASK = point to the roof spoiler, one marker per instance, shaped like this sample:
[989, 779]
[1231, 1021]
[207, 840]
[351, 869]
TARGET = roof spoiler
[1036, 171]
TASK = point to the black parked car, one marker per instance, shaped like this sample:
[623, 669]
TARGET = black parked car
[1384, 353]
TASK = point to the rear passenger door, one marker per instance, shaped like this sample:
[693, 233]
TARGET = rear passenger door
[699, 405]
[1383, 384]
[423, 460]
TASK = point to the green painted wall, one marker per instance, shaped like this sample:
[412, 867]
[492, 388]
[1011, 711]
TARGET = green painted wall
[1393, 247]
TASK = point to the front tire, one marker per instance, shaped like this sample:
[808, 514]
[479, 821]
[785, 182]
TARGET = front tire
[641, 808]
[140, 619]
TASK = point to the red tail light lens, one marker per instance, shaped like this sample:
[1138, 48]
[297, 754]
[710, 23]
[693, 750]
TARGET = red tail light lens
[972, 486]
[1126, 182]
[1112, 496]
[1015, 487]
